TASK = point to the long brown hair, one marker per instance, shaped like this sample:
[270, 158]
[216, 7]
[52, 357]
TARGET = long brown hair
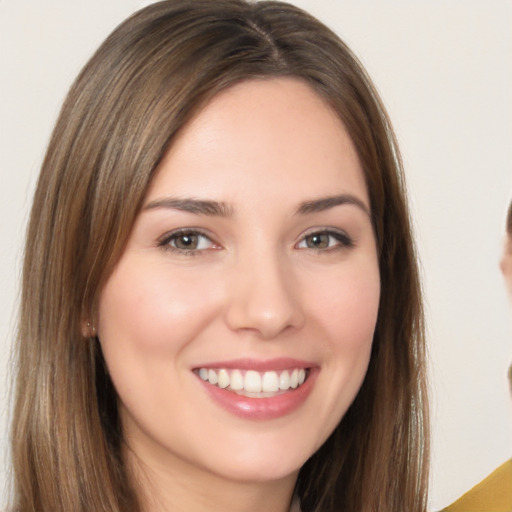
[147, 79]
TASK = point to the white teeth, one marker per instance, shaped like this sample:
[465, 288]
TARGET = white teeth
[294, 379]
[284, 380]
[254, 383]
[270, 382]
[223, 379]
[237, 381]
[213, 377]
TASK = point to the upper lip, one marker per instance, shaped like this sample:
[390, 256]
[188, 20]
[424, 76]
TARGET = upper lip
[259, 365]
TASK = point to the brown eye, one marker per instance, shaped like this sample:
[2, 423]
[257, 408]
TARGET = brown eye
[317, 241]
[186, 242]
[326, 240]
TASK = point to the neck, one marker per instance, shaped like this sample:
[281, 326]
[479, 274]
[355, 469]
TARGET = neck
[182, 488]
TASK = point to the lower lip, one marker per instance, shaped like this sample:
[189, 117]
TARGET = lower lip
[262, 408]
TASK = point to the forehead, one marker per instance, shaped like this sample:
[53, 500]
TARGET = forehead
[277, 132]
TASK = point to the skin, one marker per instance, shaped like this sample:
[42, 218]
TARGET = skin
[506, 269]
[506, 264]
[255, 287]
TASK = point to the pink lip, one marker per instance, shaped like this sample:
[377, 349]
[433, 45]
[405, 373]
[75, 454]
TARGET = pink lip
[262, 408]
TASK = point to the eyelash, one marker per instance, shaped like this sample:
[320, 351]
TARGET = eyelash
[167, 239]
[342, 239]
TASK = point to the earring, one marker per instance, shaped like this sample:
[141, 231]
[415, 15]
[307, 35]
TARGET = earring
[91, 329]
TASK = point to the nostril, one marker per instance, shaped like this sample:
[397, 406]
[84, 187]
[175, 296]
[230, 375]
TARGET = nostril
[265, 308]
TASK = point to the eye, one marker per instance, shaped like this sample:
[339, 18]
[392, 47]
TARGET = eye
[325, 240]
[187, 241]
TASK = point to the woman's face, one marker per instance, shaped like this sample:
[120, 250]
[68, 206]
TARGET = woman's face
[506, 265]
[506, 260]
[238, 324]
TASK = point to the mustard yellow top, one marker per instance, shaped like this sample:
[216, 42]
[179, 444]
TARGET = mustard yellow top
[493, 494]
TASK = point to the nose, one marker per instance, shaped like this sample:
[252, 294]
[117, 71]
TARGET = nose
[263, 297]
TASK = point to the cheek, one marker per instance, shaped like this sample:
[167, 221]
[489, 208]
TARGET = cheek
[145, 308]
[347, 307]
[147, 317]
[345, 313]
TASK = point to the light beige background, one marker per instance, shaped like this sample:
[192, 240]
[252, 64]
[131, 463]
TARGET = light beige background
[444, 70]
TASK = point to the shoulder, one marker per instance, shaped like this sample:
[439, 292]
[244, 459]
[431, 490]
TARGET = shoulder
[493, 494]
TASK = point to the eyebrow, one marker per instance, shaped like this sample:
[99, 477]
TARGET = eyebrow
[221, 209]
[325, 203]
[192, 205]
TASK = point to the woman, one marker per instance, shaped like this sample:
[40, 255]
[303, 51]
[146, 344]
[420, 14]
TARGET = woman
[506, 259]
[220, 301]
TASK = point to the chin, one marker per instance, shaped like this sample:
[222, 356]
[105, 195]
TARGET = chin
[266, 461]
[272, 469]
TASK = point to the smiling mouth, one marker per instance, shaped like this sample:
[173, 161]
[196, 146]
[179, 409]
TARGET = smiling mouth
[254, 384]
